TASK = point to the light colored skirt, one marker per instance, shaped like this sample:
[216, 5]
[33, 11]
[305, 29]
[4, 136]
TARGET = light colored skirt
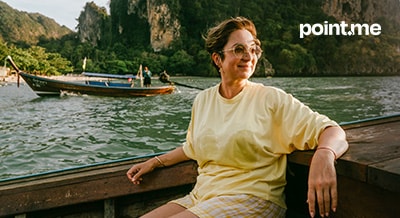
[242, 205]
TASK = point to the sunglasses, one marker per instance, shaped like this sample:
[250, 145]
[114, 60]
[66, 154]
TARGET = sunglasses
[240, 50]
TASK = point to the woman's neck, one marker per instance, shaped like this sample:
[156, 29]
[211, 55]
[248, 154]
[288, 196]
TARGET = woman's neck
[231, 89]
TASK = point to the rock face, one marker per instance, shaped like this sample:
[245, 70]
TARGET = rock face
[90, 24]
[369, 11]
[164, 25]
[377, 55]
[132, 20]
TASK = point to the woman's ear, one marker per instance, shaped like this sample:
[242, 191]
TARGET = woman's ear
[217, 59]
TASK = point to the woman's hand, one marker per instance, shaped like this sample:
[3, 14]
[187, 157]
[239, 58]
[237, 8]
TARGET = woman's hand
[322, 185]
[135, 173]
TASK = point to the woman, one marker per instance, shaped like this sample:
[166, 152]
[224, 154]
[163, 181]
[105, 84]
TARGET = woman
[240, 133]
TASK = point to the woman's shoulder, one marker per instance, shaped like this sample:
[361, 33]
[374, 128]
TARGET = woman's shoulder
[208, 92]
[265, 89]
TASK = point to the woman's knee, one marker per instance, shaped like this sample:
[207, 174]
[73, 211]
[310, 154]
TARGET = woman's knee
[166, 210]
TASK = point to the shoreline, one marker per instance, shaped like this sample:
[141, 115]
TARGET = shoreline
[70, 78]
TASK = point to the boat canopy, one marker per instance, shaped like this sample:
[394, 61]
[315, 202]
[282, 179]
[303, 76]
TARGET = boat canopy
[105, 75]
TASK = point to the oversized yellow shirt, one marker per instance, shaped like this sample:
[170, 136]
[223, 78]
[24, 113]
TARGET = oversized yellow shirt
[240, 144]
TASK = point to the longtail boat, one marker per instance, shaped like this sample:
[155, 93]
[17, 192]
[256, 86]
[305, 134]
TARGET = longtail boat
[44, 86]
[368, 182]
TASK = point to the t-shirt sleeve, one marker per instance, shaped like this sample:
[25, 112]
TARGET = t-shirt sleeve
[188, 148]
[188, 145]
[299, 127]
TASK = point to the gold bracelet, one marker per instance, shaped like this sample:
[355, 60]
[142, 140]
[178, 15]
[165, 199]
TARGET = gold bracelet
[159, 161]
[329, 149]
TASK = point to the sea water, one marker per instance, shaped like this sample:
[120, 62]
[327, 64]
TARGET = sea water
[40, 134]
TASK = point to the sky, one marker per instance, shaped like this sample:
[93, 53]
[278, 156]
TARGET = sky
[64, 12]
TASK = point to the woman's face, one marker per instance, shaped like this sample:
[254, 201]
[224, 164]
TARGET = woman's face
[241, 65]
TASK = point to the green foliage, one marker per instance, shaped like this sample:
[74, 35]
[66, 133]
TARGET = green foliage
[116, 66]
[26, 29]
[36, 60]
[297, 60]
[203, 64]
[4, 50]
[181, 62]
[123, 42]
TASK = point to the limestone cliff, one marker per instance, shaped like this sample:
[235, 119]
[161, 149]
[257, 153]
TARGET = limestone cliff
[91, 22]
[158, 24]
[164, 24]
[368, 56]
[369, 11]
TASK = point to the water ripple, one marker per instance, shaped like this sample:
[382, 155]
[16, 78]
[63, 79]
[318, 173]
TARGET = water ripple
[41, 134]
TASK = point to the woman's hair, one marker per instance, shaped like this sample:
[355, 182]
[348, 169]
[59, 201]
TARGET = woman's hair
[218, 36]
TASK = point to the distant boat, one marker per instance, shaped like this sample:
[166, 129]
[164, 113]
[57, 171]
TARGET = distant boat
[44, 86]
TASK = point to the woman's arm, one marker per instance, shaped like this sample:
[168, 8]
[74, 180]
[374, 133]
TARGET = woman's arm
[322, 184]
[135, 173]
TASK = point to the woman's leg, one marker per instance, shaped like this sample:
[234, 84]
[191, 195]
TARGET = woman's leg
[169, 210]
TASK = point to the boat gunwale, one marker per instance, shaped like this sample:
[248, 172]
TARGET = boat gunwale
[76, 169]
[87, 167]
[88, 85]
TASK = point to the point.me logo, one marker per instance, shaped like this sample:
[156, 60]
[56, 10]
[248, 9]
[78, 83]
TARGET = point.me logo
[344, 29]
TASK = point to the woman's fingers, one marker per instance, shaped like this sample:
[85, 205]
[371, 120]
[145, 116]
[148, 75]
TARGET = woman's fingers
[311, 201]
[324, 196]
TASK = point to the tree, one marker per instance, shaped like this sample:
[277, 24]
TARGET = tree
[298, 61]
[181, 63]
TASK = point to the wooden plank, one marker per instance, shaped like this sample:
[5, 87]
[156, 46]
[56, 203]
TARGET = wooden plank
[373, 148]
[357, 199]
[344, 167]
[368, 174]
[356, 162]
[371, 122]
[386, 174]
[70, 173]
[371, 145]
[362, 200]
[87, 186]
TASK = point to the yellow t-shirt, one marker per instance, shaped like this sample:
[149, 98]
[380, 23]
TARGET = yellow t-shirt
[240, 144]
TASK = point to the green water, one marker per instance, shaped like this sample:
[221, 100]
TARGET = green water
[45, 134]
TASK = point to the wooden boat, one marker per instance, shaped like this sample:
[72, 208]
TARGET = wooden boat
[368, 182]
[45, 86]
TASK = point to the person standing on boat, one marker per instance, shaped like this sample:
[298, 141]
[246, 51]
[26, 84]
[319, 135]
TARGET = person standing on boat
[240, 133]
[147, 77]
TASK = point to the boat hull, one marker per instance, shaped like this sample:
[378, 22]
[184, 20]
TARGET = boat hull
[368, 182]
[45, 87]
